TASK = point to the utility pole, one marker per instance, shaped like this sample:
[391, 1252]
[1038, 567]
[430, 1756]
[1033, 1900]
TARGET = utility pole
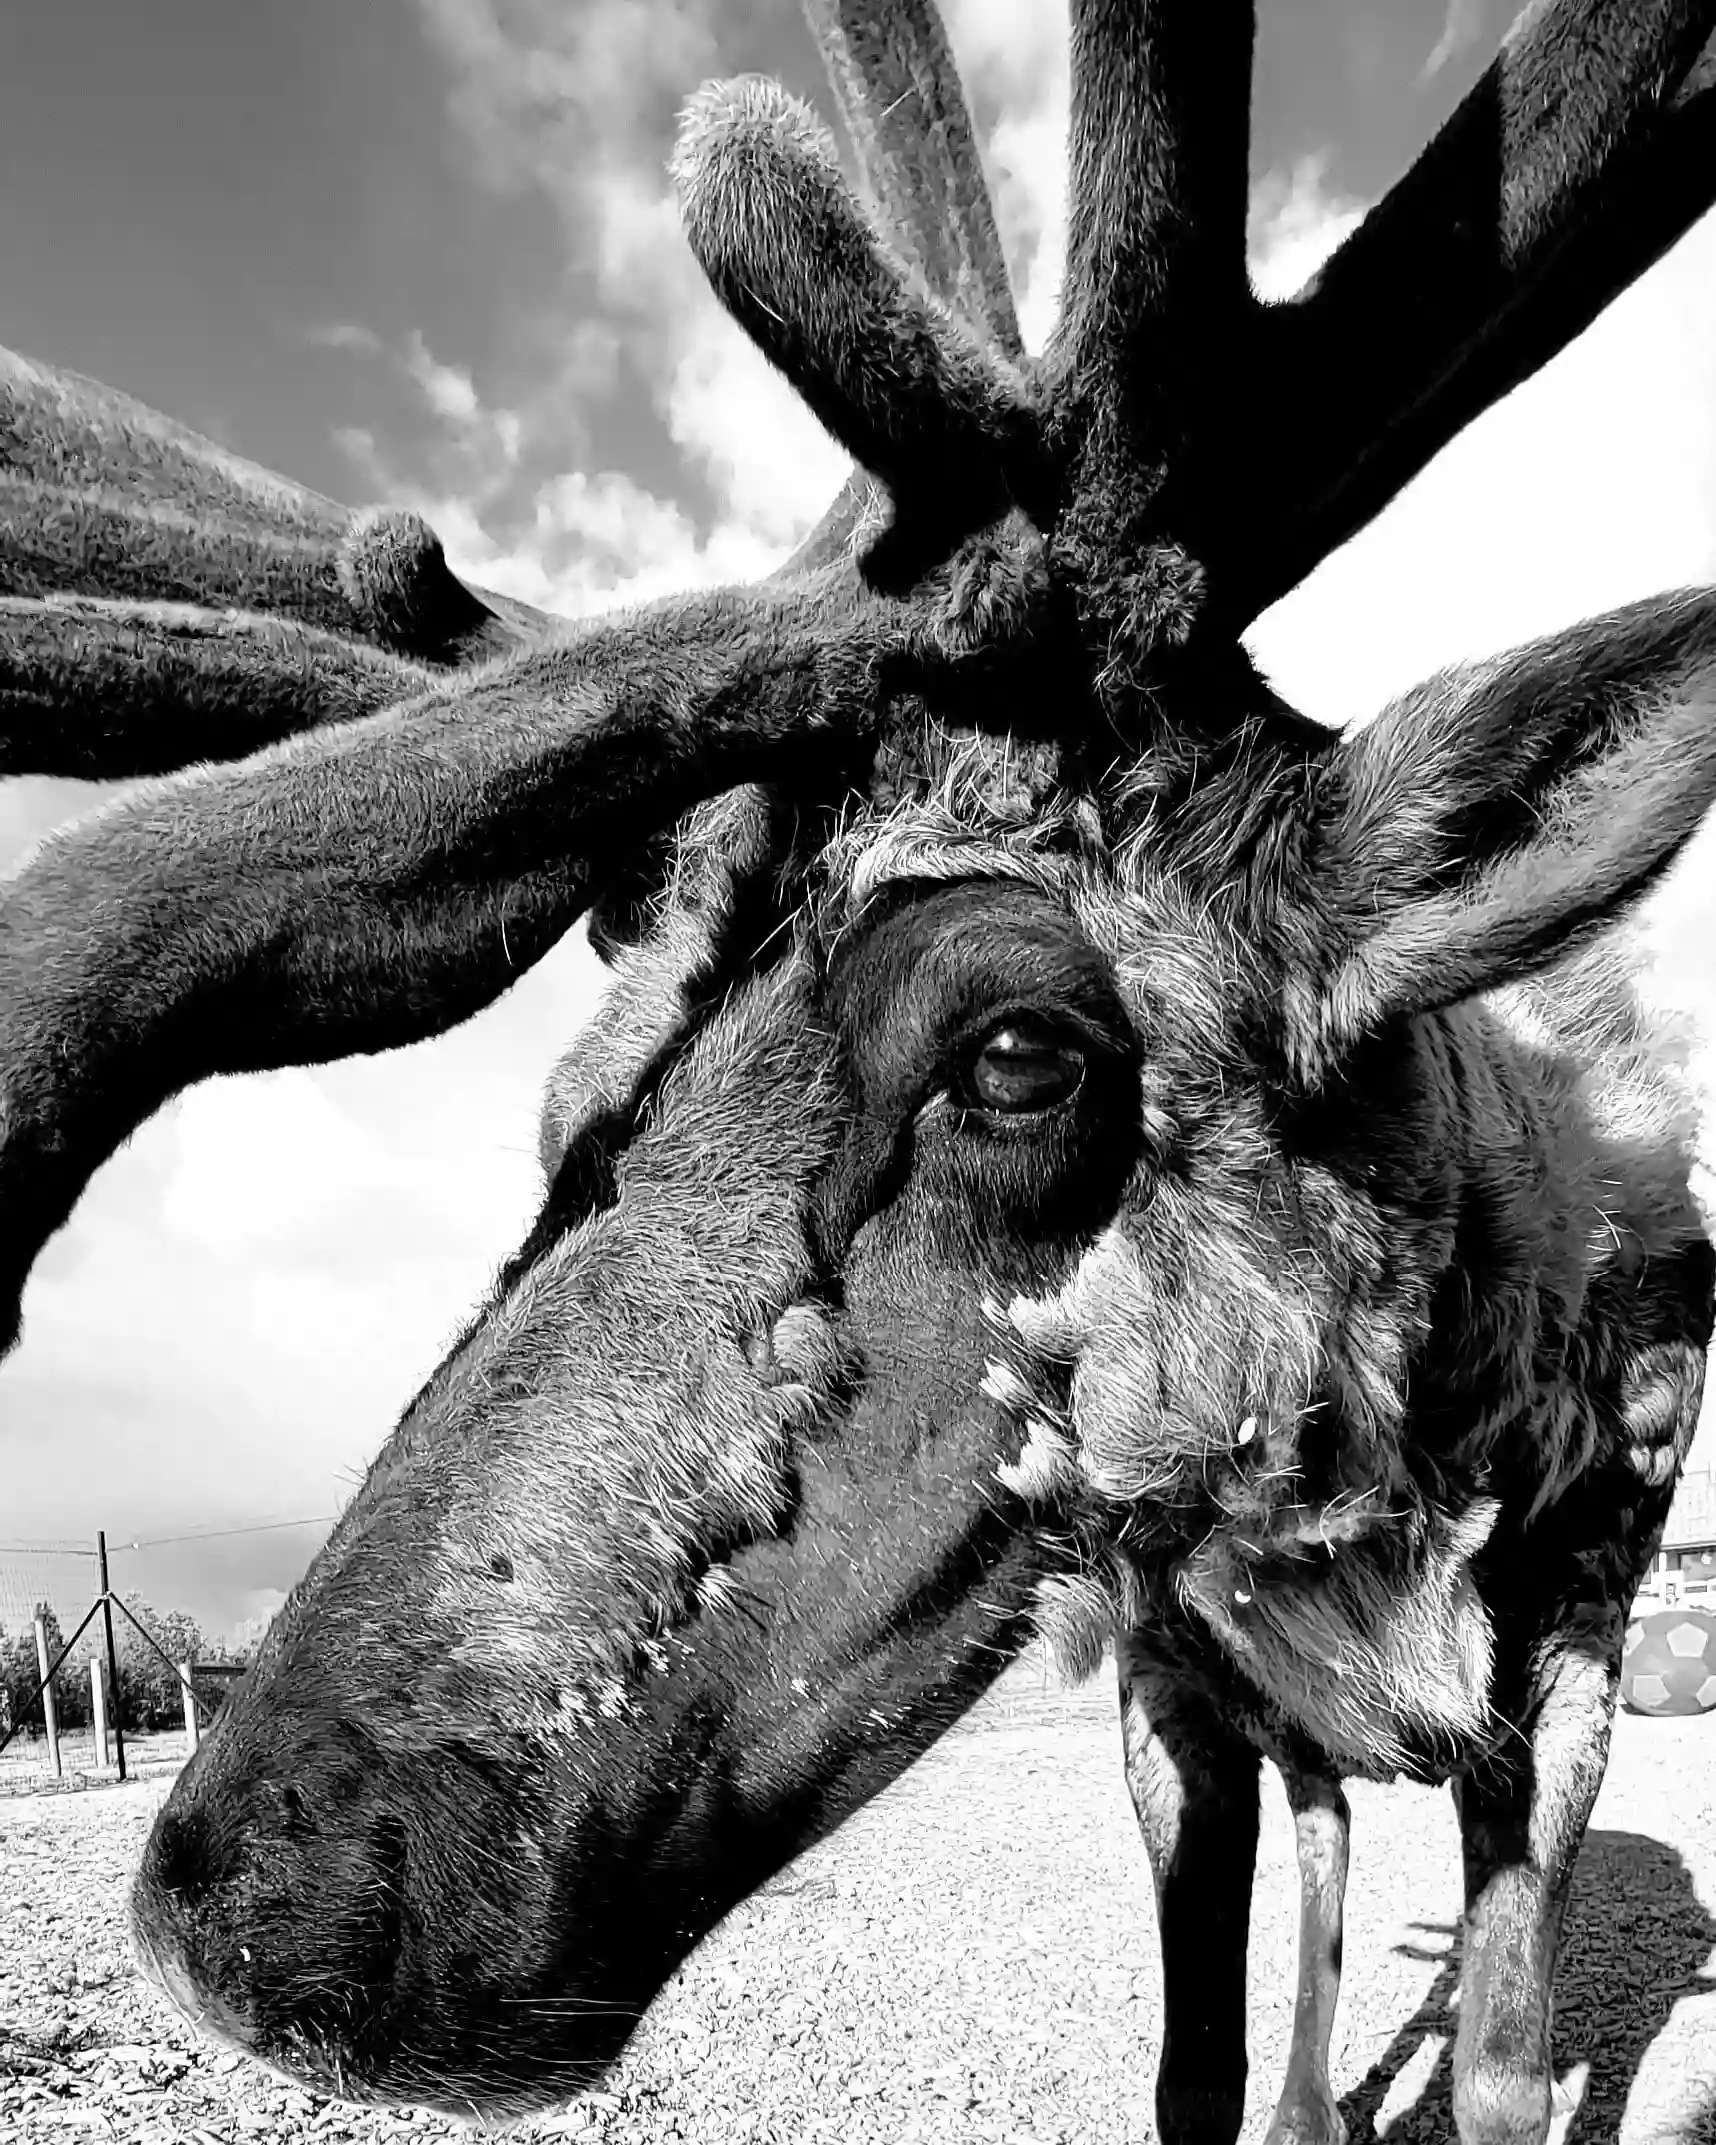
[112, 1657]
[48, 1719]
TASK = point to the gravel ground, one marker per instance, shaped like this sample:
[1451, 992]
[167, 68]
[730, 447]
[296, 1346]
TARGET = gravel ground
[26, 1769]
[972, 1958]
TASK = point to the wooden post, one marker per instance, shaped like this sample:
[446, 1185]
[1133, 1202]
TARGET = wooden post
[190, 1708]
[98, 1709]
[47, 1696]
[112, 1657]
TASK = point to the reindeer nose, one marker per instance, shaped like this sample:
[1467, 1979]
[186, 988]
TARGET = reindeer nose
[236, 1930]
[182, 1869]
[184, 1860]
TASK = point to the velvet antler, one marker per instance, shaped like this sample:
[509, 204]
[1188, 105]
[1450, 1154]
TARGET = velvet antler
[165, 601]
[1155, 302]
[1199, 452]
[899, 94]
[944, 421]
[1158, 231]
[113, 690]
[371, 884]
[1586, 149]
[386, 874]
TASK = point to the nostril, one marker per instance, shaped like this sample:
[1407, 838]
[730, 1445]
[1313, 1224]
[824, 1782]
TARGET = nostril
[182, 1859]
[276, 1917]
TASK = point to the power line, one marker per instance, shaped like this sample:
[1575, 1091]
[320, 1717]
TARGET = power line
[221, 1534]
[163, 1541]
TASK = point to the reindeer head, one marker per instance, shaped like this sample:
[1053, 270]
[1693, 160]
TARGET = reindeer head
[1014, 1115]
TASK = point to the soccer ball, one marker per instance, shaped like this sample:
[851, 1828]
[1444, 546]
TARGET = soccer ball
[1669, 1663]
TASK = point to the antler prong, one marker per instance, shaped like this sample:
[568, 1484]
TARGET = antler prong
[1586, 148]
[1155, 274]
[900, 97]
[107, 691]
[361, 887]
[945, 423]
[59, 428]
[102, 497]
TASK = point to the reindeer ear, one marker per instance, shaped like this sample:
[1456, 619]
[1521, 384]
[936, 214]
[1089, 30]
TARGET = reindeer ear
[1497, 815]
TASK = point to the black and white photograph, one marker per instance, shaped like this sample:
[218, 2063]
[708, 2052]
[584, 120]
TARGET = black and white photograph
[858, 1072]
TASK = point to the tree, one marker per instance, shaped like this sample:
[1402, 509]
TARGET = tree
[19, 1671]
[150, 1695]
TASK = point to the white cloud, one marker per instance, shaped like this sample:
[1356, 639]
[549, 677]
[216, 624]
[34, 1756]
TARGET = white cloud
[479, 446]
[240, 1180]
[448, 389]
[602, 540]
[572, 102]
[1462, 26]
[345, 335]
[771, 465]
[1295, 224]
[248, 1290]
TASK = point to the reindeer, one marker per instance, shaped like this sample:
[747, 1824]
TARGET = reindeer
[1070, 1145]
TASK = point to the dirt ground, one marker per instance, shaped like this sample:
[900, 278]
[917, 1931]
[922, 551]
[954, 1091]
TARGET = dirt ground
[27, 1769]
[971, 1958]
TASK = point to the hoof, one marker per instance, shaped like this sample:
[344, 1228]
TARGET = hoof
[1497, 2107]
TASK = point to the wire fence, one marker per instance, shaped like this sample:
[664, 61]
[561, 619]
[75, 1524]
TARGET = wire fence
[136, 1640]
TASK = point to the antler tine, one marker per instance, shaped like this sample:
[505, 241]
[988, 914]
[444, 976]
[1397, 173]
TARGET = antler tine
[362, 887]
[102, 497]
[900, 96]
[1155, 275]
[1585, 150]
[943, 421]
[62, 429]
[106, 691]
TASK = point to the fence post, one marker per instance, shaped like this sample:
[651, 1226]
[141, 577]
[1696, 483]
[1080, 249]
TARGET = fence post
[53, 1725]
[184, 1668]
[112, 1657]
[98, 1709]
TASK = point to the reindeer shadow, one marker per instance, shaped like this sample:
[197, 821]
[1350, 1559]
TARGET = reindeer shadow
[1637, 1938]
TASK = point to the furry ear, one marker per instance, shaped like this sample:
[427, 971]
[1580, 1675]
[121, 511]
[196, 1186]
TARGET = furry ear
[1498, 814]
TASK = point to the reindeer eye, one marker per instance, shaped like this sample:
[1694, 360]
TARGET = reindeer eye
[1023, 1065]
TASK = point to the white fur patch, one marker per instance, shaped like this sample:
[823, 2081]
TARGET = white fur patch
[1047, 1467]
[1374, 1653]
[1002, 1383]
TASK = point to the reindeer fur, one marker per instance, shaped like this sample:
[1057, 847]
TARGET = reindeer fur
[1070, 1146]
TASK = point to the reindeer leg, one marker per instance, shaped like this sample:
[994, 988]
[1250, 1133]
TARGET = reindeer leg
[1193, 1784]
[1519, 1835]
[1306, 2113]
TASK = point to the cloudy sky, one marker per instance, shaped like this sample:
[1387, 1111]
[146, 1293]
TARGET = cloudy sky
[423, 251]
